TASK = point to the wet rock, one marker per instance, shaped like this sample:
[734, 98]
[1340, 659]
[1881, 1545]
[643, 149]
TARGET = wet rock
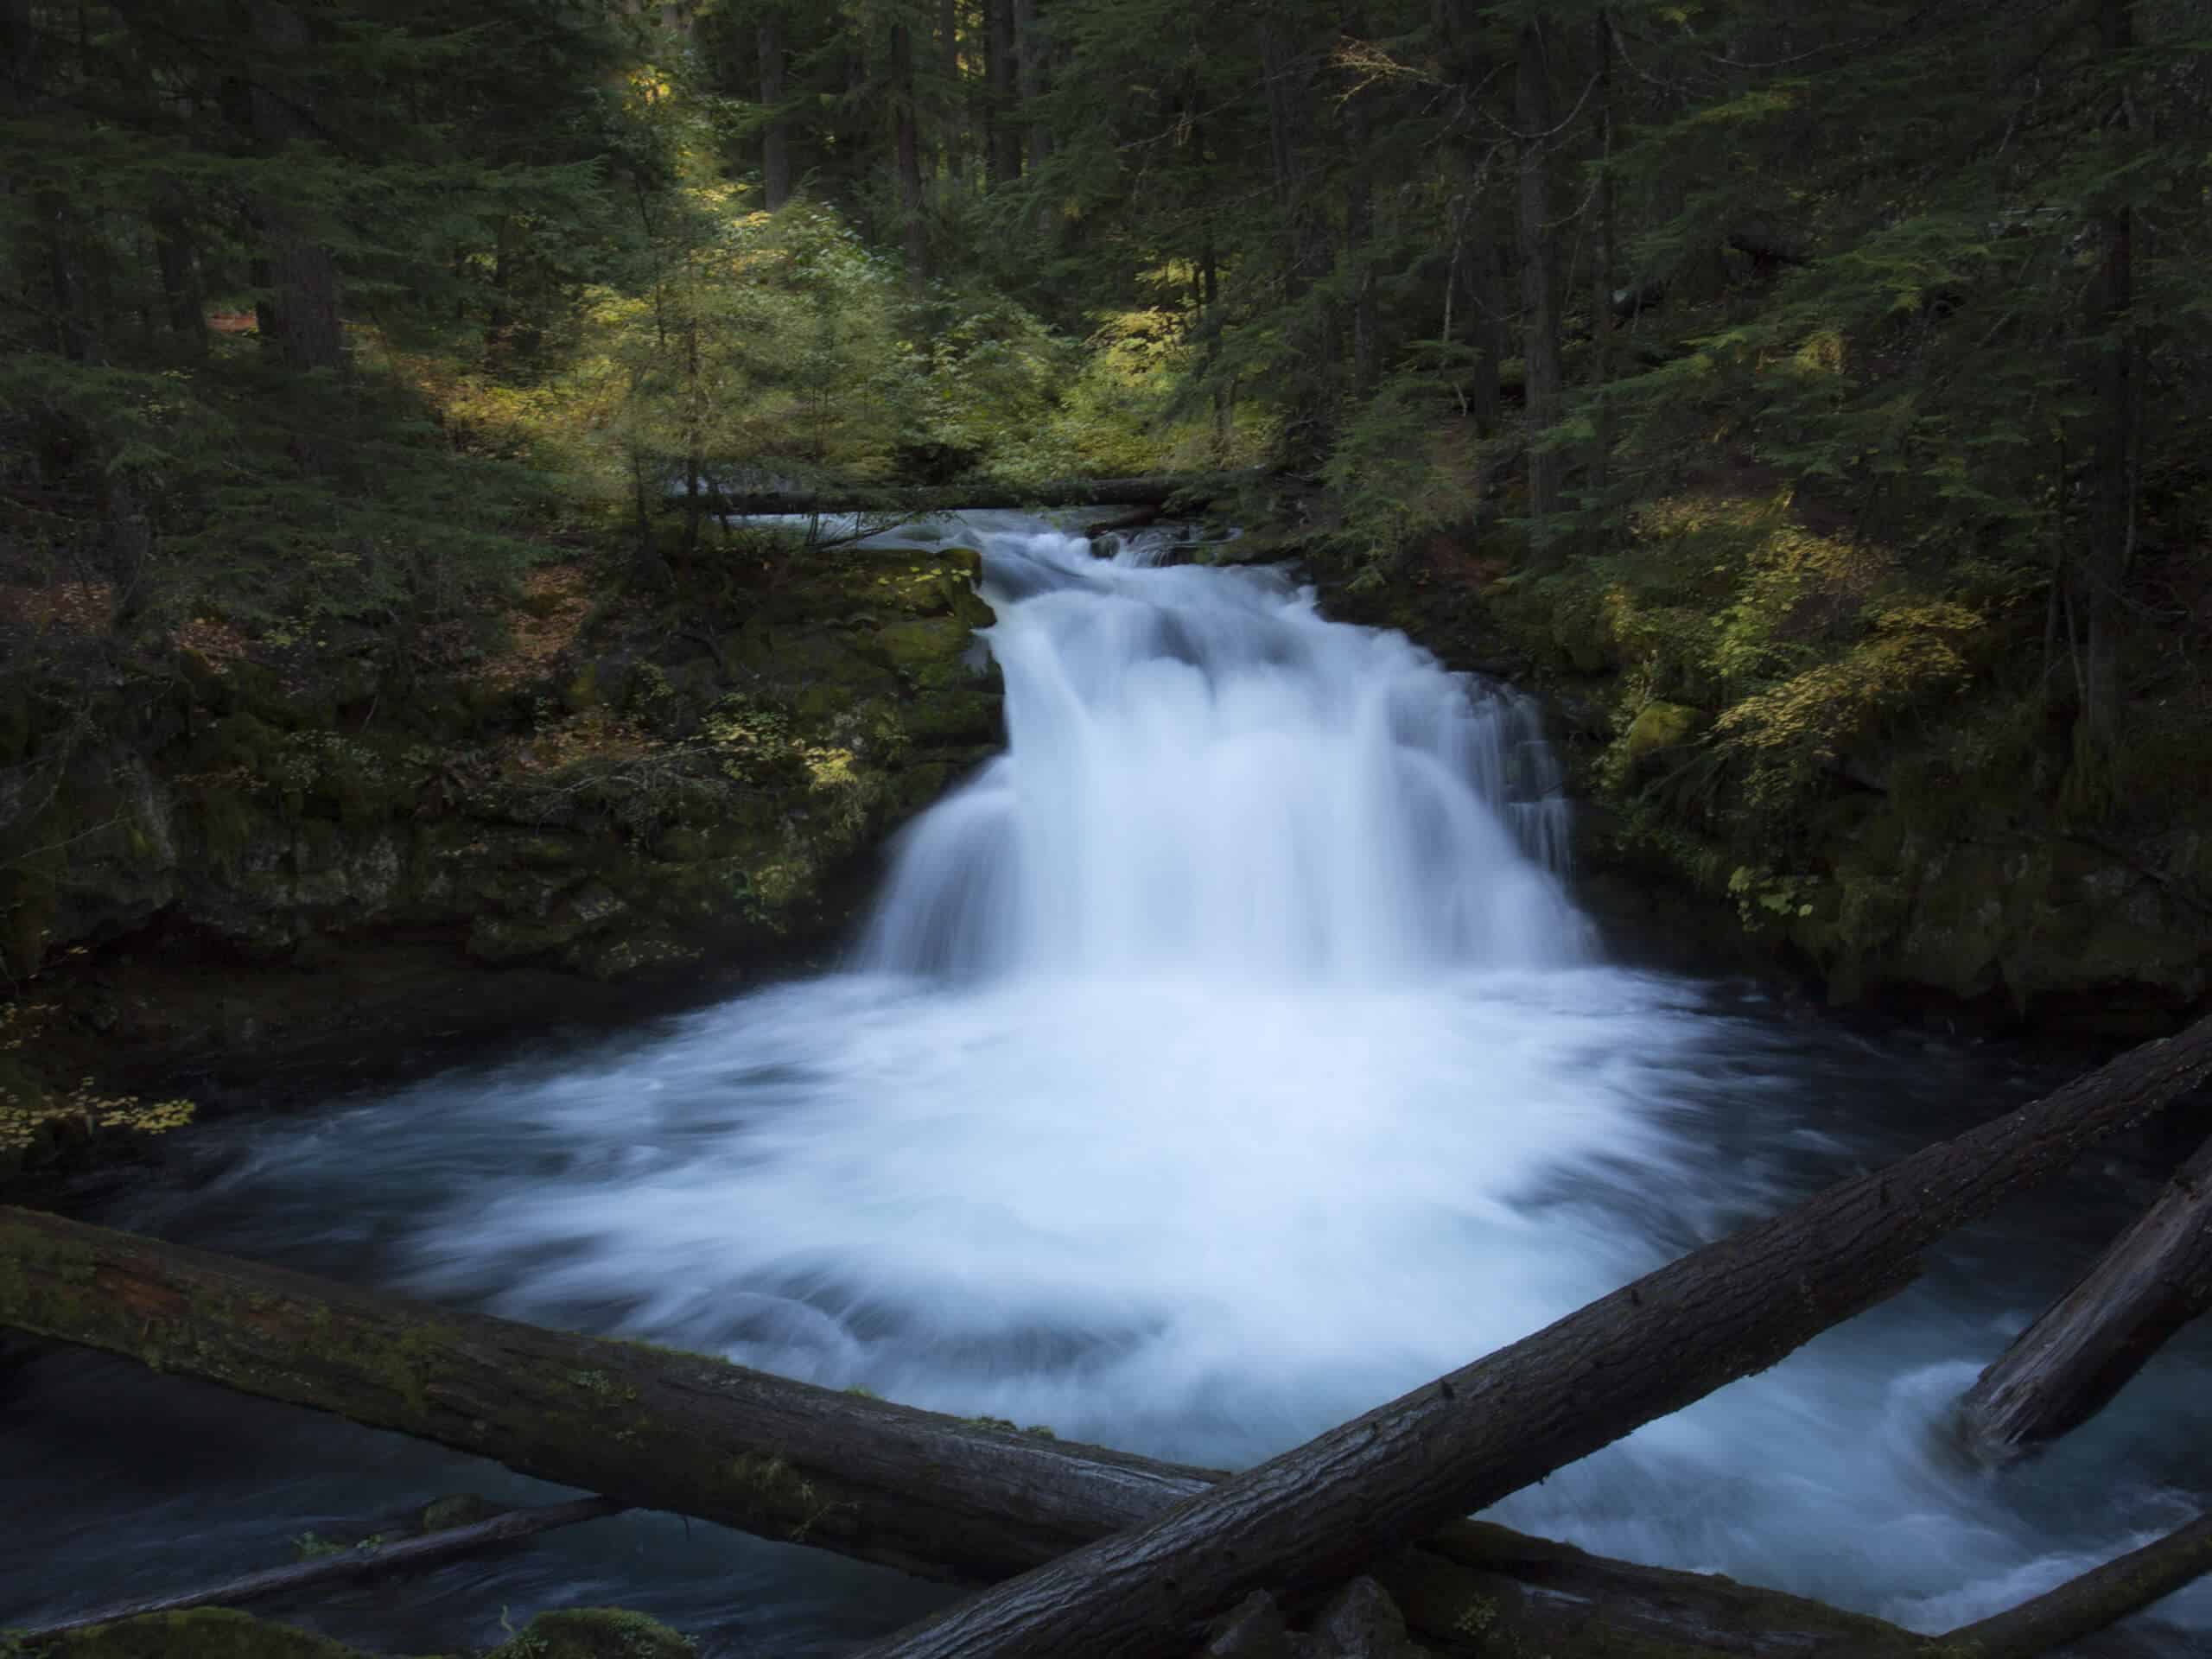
[1361, 1622]
[1253, 1629]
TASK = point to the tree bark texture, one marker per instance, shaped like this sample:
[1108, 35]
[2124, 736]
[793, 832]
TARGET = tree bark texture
[2066, 1366]
[914, 229]
[2102, 1596]
[1540, 321]
[923, 1492]
[1318, 1513]
[1031, 81]
[1003, 135]
[776, 137]
[2105, 570]
[299, 318]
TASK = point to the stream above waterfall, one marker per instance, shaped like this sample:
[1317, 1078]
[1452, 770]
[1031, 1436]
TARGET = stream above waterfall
[1224, 1059]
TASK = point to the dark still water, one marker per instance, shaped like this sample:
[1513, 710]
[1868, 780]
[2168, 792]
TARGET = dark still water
[1226, 1059]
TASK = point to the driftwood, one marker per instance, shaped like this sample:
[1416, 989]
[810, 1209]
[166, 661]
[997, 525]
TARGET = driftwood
[349, 1564]
[1147, 492]
[2066, 1366]
[1318, 1513]
[2102, 1596]
[928, 1493]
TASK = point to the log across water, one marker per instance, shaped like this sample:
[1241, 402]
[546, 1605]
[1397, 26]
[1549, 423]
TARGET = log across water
[2066, 1366]
[930, 1494]
[662, 1429]
[1153, 490]
[1314, 1514]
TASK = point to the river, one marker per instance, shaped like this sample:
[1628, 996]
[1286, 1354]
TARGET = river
[1226, 1057]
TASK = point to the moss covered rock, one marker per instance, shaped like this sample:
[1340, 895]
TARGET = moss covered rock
[596, 1633]
[199, 1633]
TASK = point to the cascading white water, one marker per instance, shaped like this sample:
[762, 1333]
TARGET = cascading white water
[1222, 1060]
[1203, 777]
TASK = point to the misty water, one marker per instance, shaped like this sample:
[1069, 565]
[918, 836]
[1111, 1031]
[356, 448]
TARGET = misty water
[1225, 1058]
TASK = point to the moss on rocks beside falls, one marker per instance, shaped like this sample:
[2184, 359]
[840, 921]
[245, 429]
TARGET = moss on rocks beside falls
[640, 784]
[1803, 749]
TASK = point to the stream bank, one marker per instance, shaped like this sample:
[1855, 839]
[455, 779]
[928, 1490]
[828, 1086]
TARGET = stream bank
[251, 857]
[1804, 754]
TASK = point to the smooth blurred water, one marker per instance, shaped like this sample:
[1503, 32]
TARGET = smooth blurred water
[1224, 1059]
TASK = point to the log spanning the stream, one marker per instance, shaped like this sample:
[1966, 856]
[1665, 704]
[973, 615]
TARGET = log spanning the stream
[655, 1428]
[1316, 1514]
[1152, 491]
[2066, 1366]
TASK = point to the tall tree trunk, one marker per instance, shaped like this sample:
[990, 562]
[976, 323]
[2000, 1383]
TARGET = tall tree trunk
[1000, 106]
[1359, 239]
[906, 121]
[298, 316]
[1601, 284]
[2105, 570]
[1032, 81]
[952, 120]
[776, 137]
[183, 303]
[1540, 326]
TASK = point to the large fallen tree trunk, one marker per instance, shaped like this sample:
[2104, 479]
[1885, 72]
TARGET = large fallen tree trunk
[1316, 1514]
[659, 1429]
[2066, 1367]
[1152, 491]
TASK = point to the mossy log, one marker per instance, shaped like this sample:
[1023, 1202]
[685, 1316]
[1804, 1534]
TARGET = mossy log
[933, 1495]
[2066, 1366]
[1152, 491]
[2080, 1607]
[1320, 1512]
[348, 1566]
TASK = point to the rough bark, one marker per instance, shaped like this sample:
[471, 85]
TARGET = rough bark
[1030, 75]
[2066, 1366]
[298, 317]
[1002, 132]
[1601, 306]
[2105, 569]
[1150, 491]
[2101, 1596]
[1316, 1514]
[776, 137]
[1539, 320]
[347, 1565]
[914, 232]
[921, 1492]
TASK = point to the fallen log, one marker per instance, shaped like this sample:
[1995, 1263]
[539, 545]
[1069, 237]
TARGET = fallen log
[360, 1561]
[927, 1493]
[1320, 1512]
[2081, 1606]
[2066, 1366]
[1154, 491]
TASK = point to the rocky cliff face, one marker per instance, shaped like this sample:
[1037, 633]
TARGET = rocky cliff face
[204, 850]
[1915, 865]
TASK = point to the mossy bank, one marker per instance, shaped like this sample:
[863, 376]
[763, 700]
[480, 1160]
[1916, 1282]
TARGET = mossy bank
[231, 850]
[1814, 751]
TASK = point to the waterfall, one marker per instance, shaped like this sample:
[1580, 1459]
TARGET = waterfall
[1204, 776]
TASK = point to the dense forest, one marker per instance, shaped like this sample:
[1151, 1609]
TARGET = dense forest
[1812, 401]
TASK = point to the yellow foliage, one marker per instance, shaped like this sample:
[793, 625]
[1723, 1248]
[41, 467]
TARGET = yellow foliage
[29, 1113]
